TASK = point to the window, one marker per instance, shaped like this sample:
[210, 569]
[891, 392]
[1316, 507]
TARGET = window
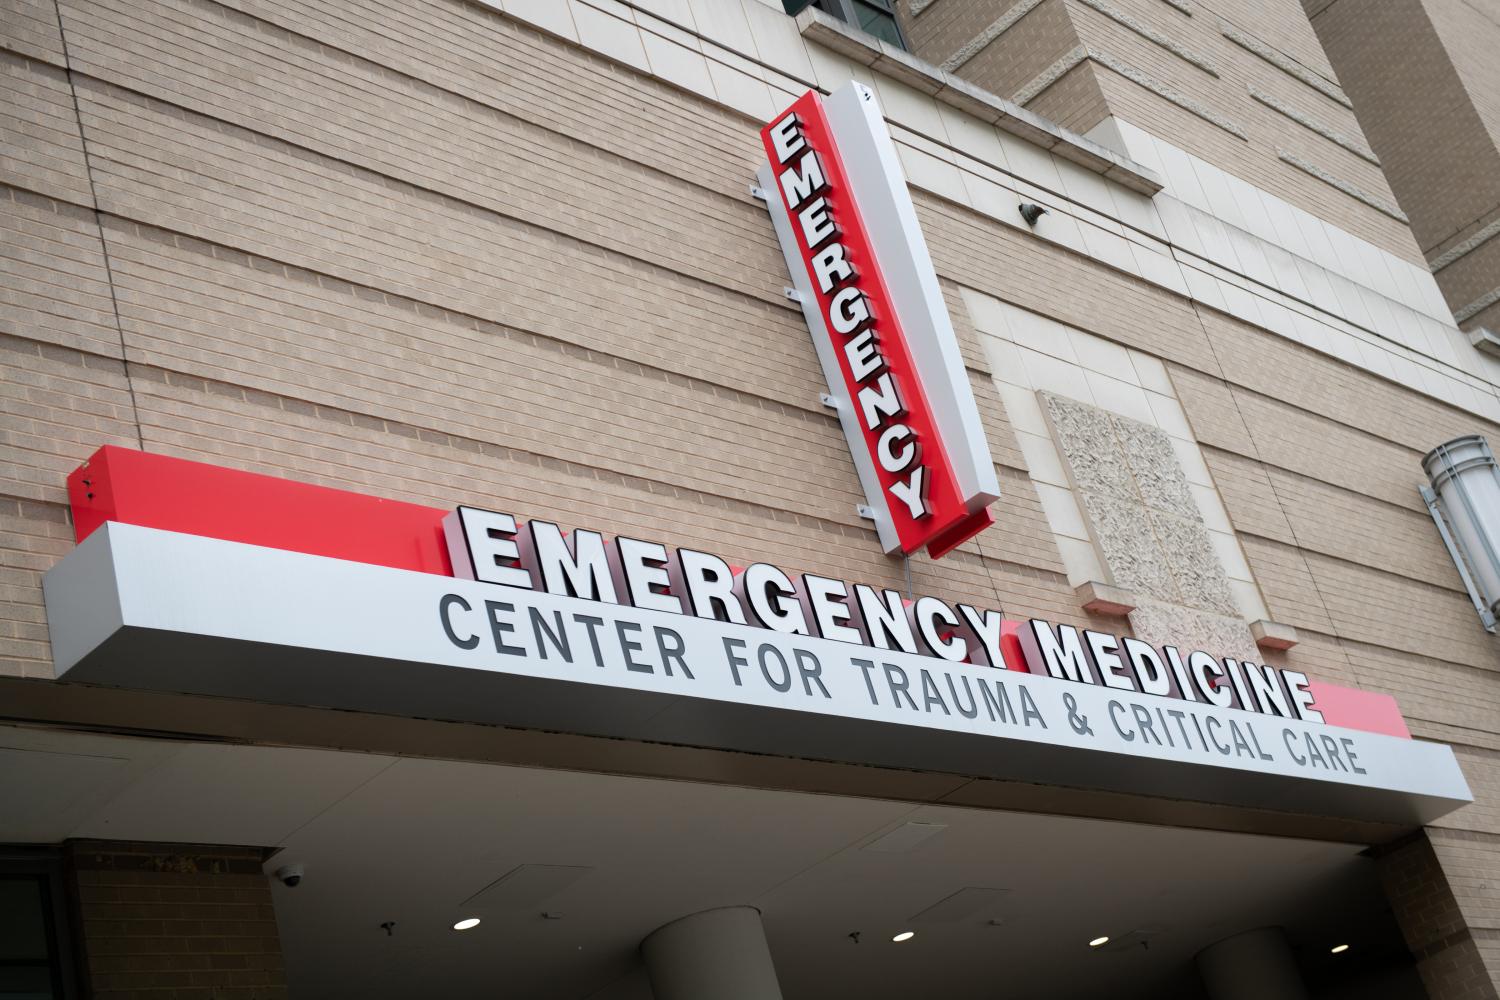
[34, 964]
[874, 17]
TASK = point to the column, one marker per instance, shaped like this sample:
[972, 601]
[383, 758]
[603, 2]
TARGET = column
[1251, 966]
[714, 955]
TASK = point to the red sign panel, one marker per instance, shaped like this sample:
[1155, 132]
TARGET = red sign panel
[881, 381]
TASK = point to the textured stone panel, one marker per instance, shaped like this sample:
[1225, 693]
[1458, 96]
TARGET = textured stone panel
[1153, 462]
[1170, 624]
[1193, 562]
[1128, 546]
[1087, 440]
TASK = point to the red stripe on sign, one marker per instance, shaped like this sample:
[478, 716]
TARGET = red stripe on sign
[1352, 708]
[911, 435]
[174, 494]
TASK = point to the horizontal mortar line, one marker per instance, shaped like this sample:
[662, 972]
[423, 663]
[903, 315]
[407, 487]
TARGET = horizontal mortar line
[260, 397]
[1478, 306]
[1153, 36]
[1167, 93]
[133, 368]
[32, 509]
[322, 411]
[1461, 834]
[1432, 363]
[1465, 247]
[817, 414]
[811, 414]
[1333, 135]
[808, 410]
[1420, 515]
[1336, 182]
[992, 31]
[774, 300]
[1280, 60]
[257, 396]
[1302, 547]
[1052, 74]
[7, 45]
[60, 512]
[1344, 641]
[803, 412]
[1460, 740]
[1389, 574]
[1467, 737]
[811, 411]
[465, 443]
[1336, 421]
[382, 69]
[445, 196]
[84, 211]
[436, 194]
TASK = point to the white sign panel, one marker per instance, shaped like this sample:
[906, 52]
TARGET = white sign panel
[145, 608]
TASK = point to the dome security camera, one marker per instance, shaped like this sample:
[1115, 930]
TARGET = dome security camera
[289, 875]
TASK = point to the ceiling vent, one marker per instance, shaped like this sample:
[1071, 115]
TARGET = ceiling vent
[524, 887]
[906, 837]
[961, 905]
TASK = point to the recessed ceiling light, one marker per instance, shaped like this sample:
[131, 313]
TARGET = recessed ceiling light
[466, 923]
[904, 936]
[1339, 949]
[1098, 941]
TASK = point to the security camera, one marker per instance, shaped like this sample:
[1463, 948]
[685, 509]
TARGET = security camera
[289, 875]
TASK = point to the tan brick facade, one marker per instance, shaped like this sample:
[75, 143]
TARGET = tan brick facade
[175, 922]
[1446, 946]
[430, 252]
[1423, 79]
[1225, 80]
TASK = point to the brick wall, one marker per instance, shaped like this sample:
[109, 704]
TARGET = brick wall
[1190, 84]
[1446, 950]
[423, 251]
[175, 921]
[1424, 83]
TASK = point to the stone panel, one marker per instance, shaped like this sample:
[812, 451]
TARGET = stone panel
[1164, 624]
[1128, 547]
[1086, 438]
[1193, 563]
[1158, 474]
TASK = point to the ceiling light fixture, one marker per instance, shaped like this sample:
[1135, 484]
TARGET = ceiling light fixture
[904, 936]
[1339, 949]
[1099, 941]
[466, 923]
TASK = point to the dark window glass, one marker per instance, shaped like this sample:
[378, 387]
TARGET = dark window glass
[879, 20]
[28, 955]
[877, 17]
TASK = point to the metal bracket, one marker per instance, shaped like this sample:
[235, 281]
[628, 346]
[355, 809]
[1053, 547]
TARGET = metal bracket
[865, 511]
[758, 193]
[792, 294]
[829, 401]
[1486, 617]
